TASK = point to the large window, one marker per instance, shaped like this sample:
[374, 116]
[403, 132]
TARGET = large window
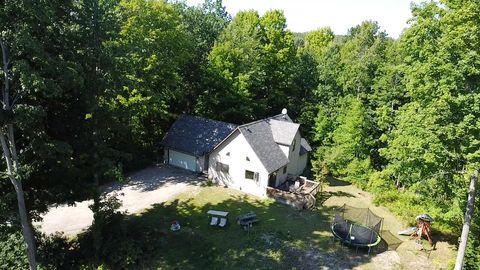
[220, 167]
[251, 175]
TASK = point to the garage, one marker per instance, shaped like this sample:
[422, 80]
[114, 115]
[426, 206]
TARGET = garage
[182, 160]
[189, 140]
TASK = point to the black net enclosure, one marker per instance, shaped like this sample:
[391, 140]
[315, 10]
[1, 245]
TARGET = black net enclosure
[358, 227]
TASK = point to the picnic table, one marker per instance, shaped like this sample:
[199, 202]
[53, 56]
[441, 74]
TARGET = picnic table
[217, 213]
[218, 218]
[247, 219]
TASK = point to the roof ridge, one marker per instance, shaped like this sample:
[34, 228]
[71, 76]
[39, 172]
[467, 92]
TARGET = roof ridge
[260, 120]
[209, 119]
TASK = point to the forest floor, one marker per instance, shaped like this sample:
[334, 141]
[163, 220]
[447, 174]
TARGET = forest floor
[283, 239]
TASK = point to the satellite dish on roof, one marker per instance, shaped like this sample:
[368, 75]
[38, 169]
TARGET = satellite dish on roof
[284, 111]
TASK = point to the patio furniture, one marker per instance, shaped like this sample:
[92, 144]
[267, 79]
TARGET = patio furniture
[214, 221]
[217, 216]
[247, 220]
[223, 222]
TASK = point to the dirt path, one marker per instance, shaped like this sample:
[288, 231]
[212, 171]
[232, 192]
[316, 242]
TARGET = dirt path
[408, 255]
[147, 187]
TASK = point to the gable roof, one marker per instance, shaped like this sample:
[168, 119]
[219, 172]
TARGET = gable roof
[283, 131]
[282, 117]
[304, 147]
[196, 135]
[260, 137]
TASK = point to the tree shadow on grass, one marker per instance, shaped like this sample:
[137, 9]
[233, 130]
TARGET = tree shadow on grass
[283, 238]
[335, 182]
[325, 195]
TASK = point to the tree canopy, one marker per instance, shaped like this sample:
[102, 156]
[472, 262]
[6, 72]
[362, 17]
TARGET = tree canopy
[97, 83]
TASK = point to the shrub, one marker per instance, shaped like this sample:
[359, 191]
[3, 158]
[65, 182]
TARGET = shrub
[57, 252]
[12, 249]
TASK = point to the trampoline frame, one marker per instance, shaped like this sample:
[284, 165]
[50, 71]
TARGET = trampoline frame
[349, 242]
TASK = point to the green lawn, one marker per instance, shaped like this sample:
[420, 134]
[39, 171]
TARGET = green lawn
[284, 238]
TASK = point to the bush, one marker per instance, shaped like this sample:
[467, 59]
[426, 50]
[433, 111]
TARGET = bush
[57, 252]
[12, 249]
[358, 171]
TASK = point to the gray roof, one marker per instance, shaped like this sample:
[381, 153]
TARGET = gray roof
[196, 135]
[282, 117]
[283, 132]
[304, 147]
[259, 135]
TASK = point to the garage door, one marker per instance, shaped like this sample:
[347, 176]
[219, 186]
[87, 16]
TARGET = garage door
[182, 160]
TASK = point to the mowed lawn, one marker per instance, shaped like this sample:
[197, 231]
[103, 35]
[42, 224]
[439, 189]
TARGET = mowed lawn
[284, 238]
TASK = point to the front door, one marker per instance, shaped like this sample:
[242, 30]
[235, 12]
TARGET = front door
[272, 179]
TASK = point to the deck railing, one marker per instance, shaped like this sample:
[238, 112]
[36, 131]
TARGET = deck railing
[302, 198]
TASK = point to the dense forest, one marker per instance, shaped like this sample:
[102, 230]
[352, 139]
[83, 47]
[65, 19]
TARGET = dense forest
[95, 84]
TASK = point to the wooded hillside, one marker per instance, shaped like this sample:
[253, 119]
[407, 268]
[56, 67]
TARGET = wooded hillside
[97, 83]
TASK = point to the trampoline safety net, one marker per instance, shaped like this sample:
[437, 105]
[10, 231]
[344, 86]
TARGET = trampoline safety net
[360, 216]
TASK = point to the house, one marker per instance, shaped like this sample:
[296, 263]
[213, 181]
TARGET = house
[251, 157]
[190, 140]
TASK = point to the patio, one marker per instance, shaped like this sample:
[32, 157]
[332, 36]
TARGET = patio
[296, 191]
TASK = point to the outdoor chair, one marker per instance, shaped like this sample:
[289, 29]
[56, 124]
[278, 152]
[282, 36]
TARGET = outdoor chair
[223, 222]
[214, 221]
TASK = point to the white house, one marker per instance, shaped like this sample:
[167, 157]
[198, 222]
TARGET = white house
[251, 157]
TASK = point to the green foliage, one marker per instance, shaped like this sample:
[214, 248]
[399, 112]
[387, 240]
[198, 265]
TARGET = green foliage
[98, 83]
[412, 134]
[12, 249]
[254, 61]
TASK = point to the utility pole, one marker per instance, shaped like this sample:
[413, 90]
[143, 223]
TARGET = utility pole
[468, 219]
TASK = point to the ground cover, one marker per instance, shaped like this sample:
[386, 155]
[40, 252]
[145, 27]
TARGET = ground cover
[283, 239]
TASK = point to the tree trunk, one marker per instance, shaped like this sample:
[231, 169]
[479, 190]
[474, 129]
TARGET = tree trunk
[7, 141]
[468, 219]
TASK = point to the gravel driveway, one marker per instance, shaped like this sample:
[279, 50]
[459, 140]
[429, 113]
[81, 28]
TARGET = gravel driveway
[152, 185]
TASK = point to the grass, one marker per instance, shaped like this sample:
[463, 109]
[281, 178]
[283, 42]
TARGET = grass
[283, 239]
[281, 232]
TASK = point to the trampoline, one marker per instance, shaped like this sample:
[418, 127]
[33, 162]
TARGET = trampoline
[355, 235]
[357, 227]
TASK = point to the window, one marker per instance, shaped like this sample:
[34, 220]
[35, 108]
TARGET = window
[247, 159]
[285, 170]
[220, 167]
[293, 145]
[251, 175]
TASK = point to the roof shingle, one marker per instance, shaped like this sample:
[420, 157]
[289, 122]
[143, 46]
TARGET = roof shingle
[196, 135]
[259, 135]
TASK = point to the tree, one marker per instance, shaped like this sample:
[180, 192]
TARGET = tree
[9, 148]
[149, 55]
[254, 59]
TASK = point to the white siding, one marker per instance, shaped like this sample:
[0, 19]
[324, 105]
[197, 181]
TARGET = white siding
[302, 163]
[239, 149]
[294, 155]
[285, 149]
[182, 160]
